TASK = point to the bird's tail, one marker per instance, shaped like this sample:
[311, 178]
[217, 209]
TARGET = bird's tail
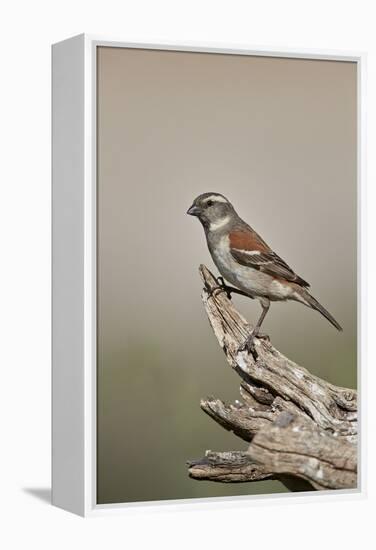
[306, 298]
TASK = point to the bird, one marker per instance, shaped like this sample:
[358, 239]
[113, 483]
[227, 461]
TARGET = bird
[246, 261]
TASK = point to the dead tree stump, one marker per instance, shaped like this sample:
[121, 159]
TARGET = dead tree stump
[302, 430]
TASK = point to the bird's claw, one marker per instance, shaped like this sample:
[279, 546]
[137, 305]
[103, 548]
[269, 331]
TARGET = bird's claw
[222, 287]
[249, 343]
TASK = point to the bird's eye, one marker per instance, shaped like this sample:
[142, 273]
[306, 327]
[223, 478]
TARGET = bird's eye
[209, 203]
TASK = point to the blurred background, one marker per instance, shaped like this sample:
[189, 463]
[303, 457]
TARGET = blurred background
[278, 138]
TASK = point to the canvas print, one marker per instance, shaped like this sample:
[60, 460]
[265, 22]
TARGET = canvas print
[226, 275]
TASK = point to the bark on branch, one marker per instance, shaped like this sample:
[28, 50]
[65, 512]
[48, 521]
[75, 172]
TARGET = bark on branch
[302, 430]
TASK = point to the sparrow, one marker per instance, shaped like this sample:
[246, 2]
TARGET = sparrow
[246, 261]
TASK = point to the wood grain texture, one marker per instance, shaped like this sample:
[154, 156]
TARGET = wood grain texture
[301, 429]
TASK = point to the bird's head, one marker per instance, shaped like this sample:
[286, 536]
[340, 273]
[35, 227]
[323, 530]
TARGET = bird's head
[213, 210]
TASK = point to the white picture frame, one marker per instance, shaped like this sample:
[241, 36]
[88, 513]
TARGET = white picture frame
[74, 272]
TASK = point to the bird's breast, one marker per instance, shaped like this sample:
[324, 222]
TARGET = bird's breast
[220, 252]
[248, 279]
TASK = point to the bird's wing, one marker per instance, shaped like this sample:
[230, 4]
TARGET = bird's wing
[247, 247]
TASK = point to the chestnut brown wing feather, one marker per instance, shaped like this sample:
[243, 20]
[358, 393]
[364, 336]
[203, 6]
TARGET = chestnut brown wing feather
[250, 250]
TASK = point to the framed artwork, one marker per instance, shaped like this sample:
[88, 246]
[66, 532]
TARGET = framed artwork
[206, 259]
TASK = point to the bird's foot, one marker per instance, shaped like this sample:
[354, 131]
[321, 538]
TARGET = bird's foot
[249, 343]
[263, 336]
[222, 287]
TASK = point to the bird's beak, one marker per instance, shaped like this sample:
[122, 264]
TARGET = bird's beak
[193, 210]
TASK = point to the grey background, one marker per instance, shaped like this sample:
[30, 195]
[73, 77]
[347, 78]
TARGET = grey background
[278, 138]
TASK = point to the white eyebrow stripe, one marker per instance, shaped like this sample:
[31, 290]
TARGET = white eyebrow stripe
[216, 198]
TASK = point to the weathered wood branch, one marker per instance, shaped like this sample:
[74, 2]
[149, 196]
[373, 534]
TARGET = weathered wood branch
[301, 429]
[228, 467]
